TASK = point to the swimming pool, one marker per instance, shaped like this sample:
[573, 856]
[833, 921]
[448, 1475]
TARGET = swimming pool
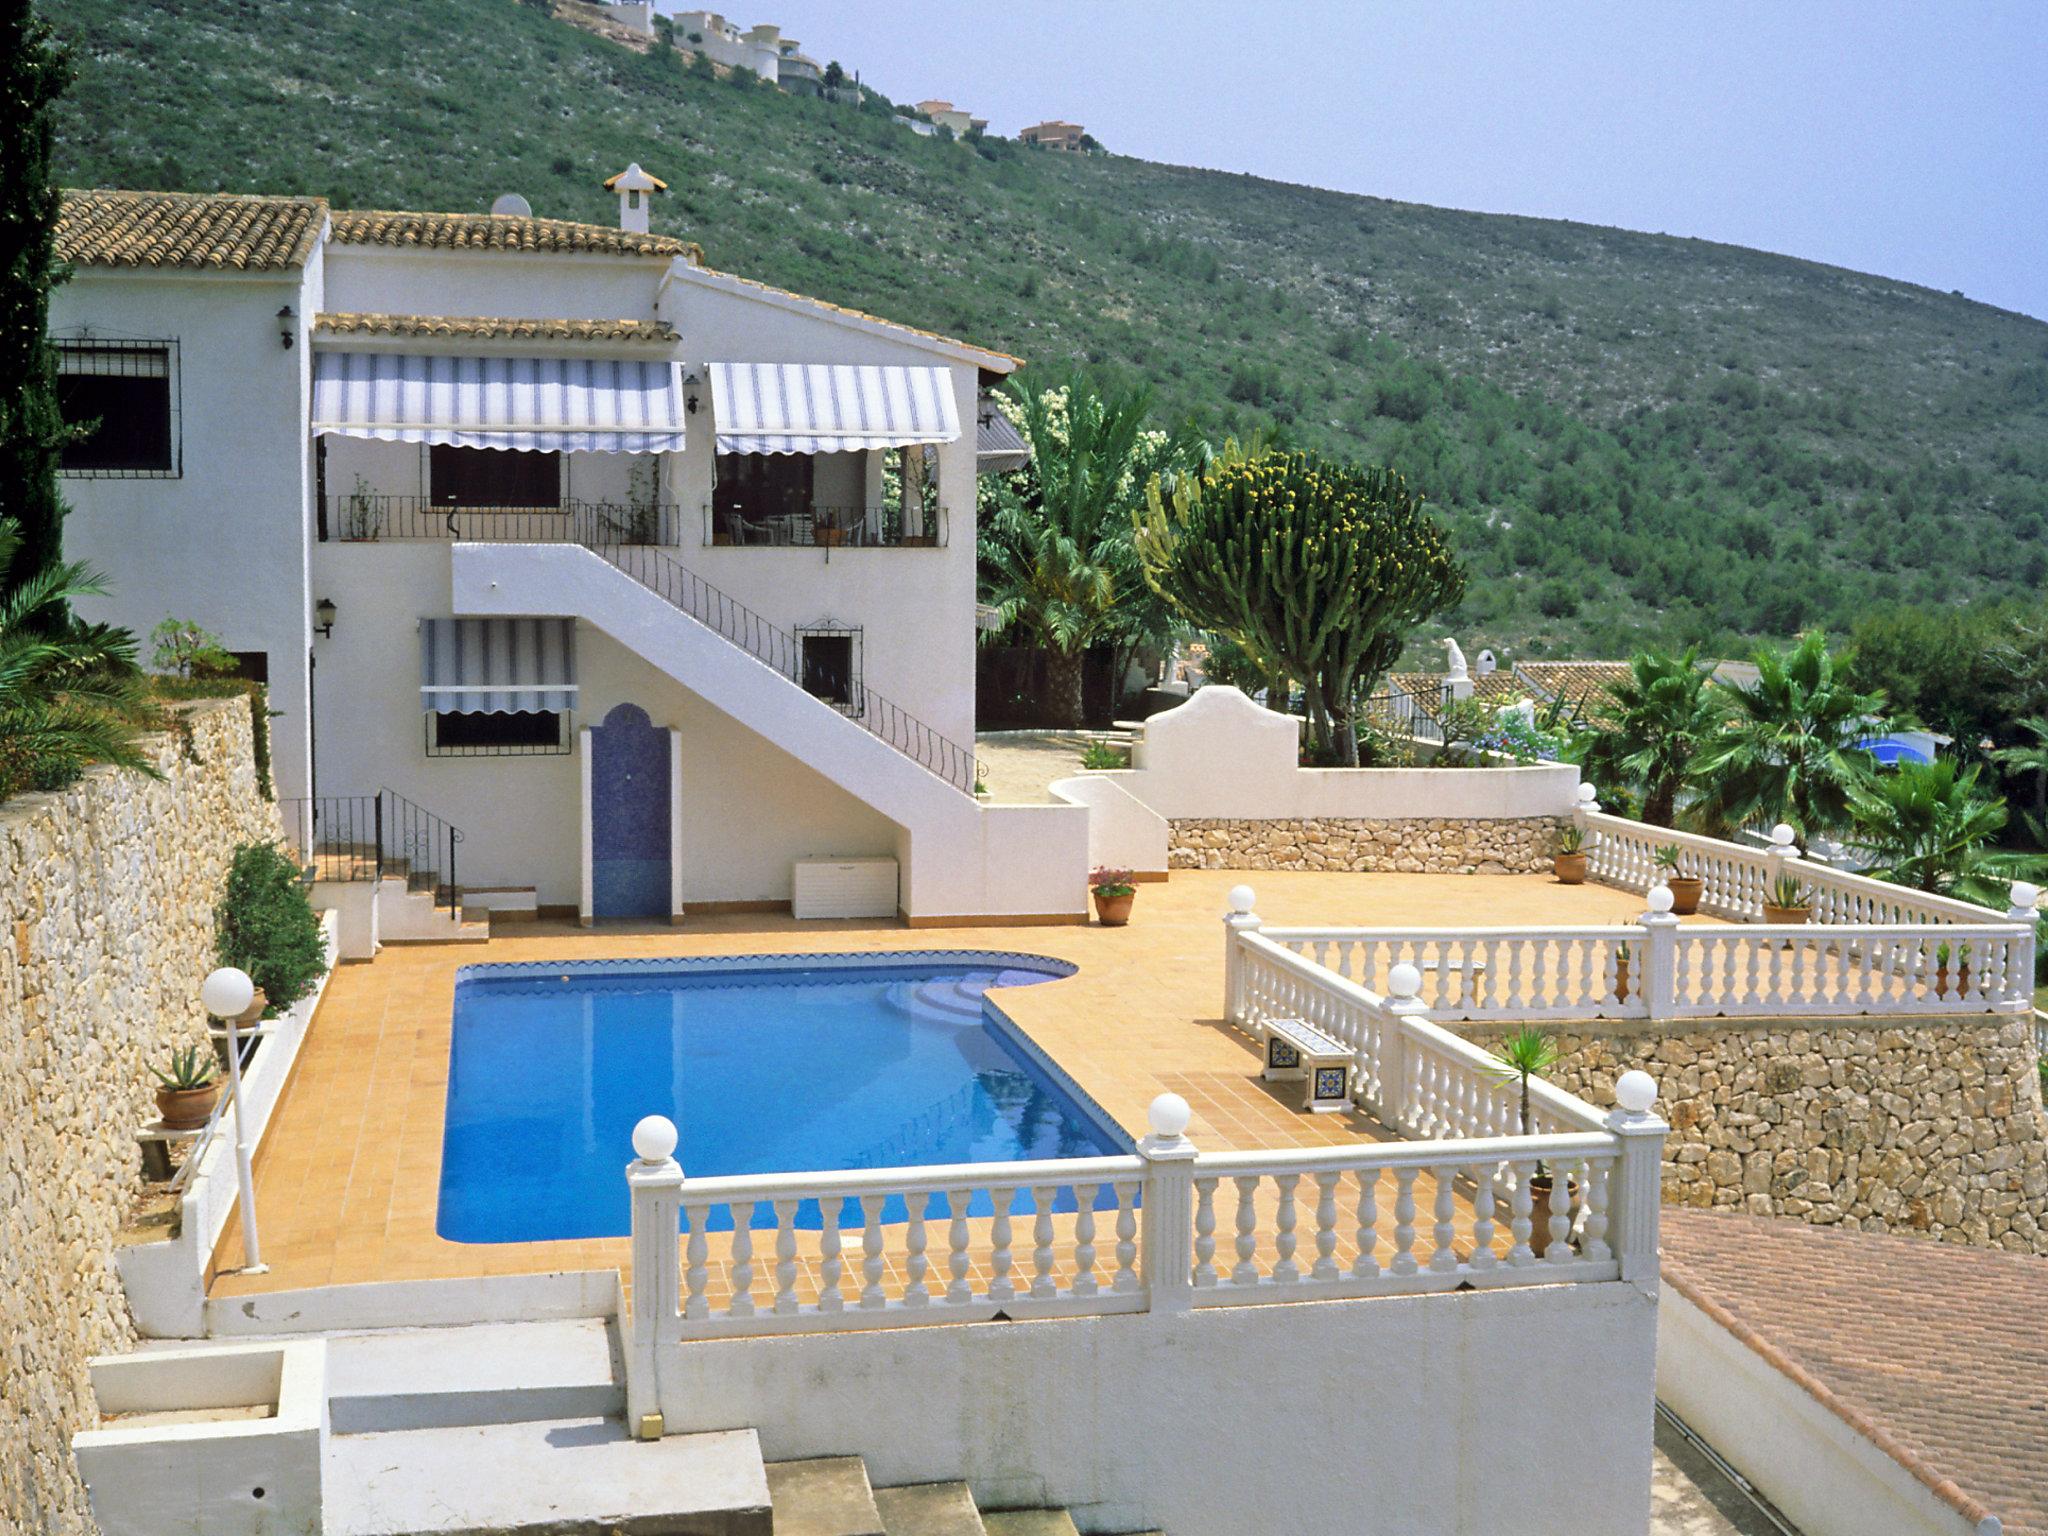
[766, 1064]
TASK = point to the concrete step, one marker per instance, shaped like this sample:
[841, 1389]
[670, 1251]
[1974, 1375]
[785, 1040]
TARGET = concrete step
[490, 1373]
[1029, 1522]
[556, 1477]
[825, 1496]
[929, 1509]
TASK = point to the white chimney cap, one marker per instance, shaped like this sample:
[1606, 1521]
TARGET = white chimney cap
[633, 179]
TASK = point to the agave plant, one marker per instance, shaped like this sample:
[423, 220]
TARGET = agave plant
[190, 1067]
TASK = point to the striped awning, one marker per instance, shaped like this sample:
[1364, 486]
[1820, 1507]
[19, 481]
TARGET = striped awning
[830, 407]
[497, 666]
[535, 404]
[998, 446]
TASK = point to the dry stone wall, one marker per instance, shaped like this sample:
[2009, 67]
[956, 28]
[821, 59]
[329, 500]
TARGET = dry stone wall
[1416, 846]
[1933, 1126]
[106, 908]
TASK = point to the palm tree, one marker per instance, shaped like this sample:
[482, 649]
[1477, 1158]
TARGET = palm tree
[1788, 752]
[1930, 828]
[1056, 546]
[70, 694]
[2030, 758]
[1662, 717]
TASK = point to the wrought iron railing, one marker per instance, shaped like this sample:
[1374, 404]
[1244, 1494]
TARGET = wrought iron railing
[776, 647]
[363, 518]
[828, 528]
[370, 837]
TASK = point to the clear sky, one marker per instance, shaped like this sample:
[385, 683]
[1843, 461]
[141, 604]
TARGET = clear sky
[1905, 139]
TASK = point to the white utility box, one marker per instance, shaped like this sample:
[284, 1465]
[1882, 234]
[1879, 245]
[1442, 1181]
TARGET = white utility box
[859, 887]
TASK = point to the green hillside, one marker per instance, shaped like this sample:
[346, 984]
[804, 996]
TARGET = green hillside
[1631, 435]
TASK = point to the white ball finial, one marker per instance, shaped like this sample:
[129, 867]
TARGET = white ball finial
[1635, 1091]
[1660, 898]
[1783, 835]
[654, 1139]
[1242, 898]
[1404, 980]
[1168, 1116]
[227, 993]
[2024, 896]
[1587, 794]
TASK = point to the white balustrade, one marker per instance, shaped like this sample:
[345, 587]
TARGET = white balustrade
[1582, 972]
[1844, 969]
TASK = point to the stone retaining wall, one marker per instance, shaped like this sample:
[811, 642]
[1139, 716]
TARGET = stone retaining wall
[106, 909]
[1416, 846]
[1930, 1126]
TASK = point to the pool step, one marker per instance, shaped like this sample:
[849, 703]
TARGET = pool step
[1029, 1522]
[929, 1509]
[560, 1477]
[488, 1373]
[824, 1496]
[945, 1000]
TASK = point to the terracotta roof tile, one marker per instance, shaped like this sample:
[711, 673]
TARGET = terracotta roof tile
[1426, 688]
[499, 232]
[1933, 1351]
[219, 232]
[492, 328]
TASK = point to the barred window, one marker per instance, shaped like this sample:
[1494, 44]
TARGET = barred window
[126, 394]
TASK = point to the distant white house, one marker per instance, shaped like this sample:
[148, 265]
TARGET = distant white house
[620, 583]
[955, 120]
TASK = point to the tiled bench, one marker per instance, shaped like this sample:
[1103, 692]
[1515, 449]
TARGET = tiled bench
[1296, 1049]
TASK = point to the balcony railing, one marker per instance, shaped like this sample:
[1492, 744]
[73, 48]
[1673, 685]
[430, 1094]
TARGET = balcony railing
[820, 527]
[364, 518]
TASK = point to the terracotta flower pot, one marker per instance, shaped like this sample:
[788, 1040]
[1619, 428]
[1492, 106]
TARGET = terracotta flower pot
[1540, 1187]
[1114, 911]
[1621, 979]
[1570, 868]
[186, 1109]
[1785, 914]
[1685, 894]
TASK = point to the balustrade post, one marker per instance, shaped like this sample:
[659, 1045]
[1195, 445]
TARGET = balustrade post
[1660, 954]
[2026, 900]
[1638, 1187]
[654, 1180]
[1168, 1260]
[1780, 859]
[1404, 986]
[1240, 919]
[1588, 805]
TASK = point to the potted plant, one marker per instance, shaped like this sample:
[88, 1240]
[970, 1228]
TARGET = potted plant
[1942, 955]
[1786, 901]
[1113, 891]
[1569, 865]
[1685, 889]
[186, 1089]
[1621, 973]
[1527, 1053]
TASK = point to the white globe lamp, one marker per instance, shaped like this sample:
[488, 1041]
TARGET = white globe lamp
[1242, 898]
[227, 992]
[1168, 1116]
[654, 1139]
[1635, 1091]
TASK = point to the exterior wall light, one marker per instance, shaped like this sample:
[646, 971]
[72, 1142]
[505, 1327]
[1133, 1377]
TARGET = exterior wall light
[690, 383]
[286, 331]
[323, 614]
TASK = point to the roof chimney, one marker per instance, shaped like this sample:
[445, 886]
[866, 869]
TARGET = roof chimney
[636, 189]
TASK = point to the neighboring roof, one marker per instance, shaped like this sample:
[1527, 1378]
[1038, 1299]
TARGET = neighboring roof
[1582, 684]
[1427, 688]
[201, 232]
[492, 328]
[986, 357]
[1933, 1352]
[999, 447]
[500, 232]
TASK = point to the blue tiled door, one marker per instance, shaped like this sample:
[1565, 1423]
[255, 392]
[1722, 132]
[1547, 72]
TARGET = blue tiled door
[629, 816]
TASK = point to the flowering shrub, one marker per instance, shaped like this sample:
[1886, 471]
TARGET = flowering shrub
[1112, 882]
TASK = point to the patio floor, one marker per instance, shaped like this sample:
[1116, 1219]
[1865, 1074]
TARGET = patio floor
[348, 1176]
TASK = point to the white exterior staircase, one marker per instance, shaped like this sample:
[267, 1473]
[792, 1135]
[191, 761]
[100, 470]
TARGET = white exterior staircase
[958, 857]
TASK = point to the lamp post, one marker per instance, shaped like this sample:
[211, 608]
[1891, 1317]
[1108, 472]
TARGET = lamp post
[227, 994]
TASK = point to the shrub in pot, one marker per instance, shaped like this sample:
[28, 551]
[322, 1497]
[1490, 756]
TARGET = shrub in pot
[1569, 864]
[1527, 1053]
[1114, 892]
[1685, 889]
[1786, 902]
[263, 924]
[186, 1089]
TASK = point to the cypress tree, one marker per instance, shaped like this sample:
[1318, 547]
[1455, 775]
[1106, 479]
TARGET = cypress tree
[33, 73]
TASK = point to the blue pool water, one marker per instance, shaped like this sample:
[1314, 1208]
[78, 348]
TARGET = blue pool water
[815, 1065]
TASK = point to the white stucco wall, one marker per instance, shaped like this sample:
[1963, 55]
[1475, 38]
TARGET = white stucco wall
[225, 543]
[1220, 755]
[1827, 1478]
[1459, 1415]
[749, 808]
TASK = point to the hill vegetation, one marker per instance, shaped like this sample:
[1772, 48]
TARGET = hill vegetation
[1632, 438]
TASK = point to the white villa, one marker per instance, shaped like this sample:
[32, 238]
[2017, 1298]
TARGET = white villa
[509, 512]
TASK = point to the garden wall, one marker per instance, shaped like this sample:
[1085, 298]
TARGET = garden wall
[1410, 845]
[106, 898]
[1931, 1126]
